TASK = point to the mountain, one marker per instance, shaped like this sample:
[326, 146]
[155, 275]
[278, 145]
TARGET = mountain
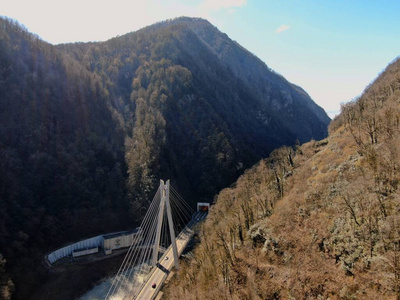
[222, 106]
[87, 130]
[316, 221]
[62, 161]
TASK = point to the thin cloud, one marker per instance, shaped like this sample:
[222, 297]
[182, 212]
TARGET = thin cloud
[213, 5]
[282, 28]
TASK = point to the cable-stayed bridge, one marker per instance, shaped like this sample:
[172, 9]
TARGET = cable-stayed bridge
[163, 235]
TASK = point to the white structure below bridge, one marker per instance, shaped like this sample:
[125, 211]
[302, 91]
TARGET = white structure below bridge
[107, 242]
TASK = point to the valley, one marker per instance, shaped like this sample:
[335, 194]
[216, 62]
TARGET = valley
[303, 207]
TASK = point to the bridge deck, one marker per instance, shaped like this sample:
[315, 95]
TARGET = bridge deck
[160, 273]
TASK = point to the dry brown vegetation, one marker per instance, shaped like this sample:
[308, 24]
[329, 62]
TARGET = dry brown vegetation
[317, 221]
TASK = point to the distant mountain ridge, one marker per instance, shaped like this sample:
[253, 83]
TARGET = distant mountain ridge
[256, 74]
[250, 68]
[87, 130]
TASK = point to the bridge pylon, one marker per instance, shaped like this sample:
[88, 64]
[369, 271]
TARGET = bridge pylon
[165, 204]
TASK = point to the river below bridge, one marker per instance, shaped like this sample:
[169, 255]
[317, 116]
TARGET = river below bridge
[99, 292]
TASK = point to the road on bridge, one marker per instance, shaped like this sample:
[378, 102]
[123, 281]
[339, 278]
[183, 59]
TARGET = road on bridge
[164, 266]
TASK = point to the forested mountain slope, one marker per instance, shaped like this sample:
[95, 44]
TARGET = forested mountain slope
[62, 164]
[215, 107]
[316, 221]
[275, 92]
[88, 129]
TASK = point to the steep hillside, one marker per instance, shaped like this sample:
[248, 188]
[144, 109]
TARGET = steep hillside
[316, 221]
[88, 129]
[277, 95]
[62, 160]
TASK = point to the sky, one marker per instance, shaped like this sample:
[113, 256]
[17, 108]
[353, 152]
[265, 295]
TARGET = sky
[333, 49]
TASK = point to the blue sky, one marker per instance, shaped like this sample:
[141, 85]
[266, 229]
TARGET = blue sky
[333, 49]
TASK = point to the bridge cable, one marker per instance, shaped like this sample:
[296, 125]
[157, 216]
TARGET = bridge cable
[146, 222]
[140, 253]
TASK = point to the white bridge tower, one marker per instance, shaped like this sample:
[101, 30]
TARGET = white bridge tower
[165, 204]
